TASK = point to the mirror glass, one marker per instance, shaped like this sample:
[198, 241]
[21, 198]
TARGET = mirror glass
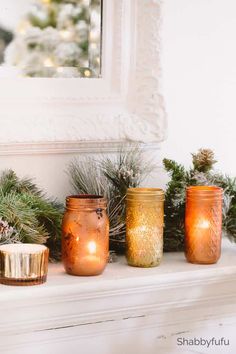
[50, 38]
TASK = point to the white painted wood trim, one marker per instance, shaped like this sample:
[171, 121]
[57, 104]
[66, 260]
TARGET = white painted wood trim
[70, 147]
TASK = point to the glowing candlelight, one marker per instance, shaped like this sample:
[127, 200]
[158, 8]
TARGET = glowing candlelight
[92, 247]
[203, 222]
[85, 231]
[144, 226]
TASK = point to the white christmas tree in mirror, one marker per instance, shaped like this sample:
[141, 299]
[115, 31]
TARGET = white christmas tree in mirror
[58, 38]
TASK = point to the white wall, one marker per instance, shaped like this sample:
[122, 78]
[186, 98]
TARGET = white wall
[48, 171]
[199, 79]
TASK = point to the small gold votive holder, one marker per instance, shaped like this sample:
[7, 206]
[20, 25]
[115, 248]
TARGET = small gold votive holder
[23, 264]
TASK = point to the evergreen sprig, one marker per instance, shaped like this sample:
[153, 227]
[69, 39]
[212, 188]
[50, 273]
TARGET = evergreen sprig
[34, 217]
[201, 173]
[111, 178]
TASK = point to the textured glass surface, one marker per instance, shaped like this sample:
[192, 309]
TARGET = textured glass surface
[203, 228]
[85, 235]
[144, 232]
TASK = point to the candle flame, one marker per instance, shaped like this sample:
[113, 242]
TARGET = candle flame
[92, 247]
[204, 224]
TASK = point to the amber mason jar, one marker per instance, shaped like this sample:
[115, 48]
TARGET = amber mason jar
[144, 226]
[85, 235]
[203, 224]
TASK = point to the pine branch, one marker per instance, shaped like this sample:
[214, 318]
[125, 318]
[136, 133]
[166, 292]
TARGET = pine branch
[17, 213]
[200, 174]
[128, 170]
[85, 177]
[34, 217]
[9, 182]
[111, 178]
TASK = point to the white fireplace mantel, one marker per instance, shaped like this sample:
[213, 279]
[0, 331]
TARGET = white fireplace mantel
[125, 310]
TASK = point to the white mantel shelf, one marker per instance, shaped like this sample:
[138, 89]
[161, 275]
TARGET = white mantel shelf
[72, 311]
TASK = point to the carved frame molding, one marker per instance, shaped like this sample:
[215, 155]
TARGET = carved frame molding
[125, 105]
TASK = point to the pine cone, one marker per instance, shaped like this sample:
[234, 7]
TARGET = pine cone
[204, 160]
[4, 227]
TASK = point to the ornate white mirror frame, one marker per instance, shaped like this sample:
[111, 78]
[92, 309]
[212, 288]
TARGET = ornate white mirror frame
[125, 104]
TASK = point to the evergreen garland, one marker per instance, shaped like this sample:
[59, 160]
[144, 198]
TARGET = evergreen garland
[111, 178]
[201, 173]
[27, 215]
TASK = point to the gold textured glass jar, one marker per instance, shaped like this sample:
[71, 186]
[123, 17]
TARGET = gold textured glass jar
[203, 224]
[85, 235]
[144, 226]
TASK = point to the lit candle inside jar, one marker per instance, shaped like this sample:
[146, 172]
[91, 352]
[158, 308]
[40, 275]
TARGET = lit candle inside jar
[85, 235]
[92, 260]
[202, 229]
[144, 226]
[92, 247]
[203, 223]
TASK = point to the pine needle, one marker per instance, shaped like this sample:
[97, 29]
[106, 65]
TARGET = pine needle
[111, 178]
[33, 217]
[201, 173]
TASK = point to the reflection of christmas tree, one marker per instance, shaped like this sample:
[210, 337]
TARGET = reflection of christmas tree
[5, 37]
[58, 38]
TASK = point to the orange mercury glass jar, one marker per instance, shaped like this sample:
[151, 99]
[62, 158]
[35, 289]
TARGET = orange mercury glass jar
[203, 224]
[144, 226]
[85, 235]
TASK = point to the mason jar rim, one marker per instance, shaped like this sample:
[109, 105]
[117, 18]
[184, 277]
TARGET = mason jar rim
[204, 189]
[145, 194]
[85, 201]
[207, 192]
[143, 190]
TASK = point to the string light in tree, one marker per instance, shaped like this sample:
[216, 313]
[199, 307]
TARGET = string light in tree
[23, 26]
[87, 73]
[48, 62]
[66, 35]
